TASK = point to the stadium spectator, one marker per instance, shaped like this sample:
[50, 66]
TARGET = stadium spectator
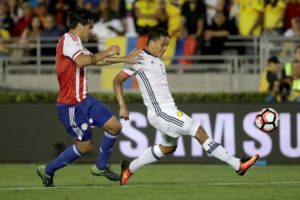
[295, 29]
[287, 72]
[292, 11]
[106, 27]
[193, 21]
[15, 10]
[25, 21]
[269, 81]
[215, 35]
[193, 17]
[295, 90]
[173, 9]
[147, 15]
[4, 39]
[59, 9]
[49, 34]
[250, 17]
[232, 12]
[114, 8]
[212, 7]
[162, 112]
[118, 11]
[163, 15]
[42, 12]
[5, 19]
[30, 35]
[49, 28]
[77, 110]
[273, 17]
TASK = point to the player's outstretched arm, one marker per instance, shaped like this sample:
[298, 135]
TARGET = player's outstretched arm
[132, 58]
[84, 60]
[119, 92]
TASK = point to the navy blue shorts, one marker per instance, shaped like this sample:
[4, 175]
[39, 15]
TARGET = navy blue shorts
[79, 118]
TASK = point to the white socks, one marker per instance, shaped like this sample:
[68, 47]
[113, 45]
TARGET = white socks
[219, 152]
[150, 155]
[153, 153]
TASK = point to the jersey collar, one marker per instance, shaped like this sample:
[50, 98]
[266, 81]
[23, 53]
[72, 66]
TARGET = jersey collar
[147, 52]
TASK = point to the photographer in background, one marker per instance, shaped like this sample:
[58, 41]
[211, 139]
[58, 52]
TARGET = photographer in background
[269, 81]
[295, 84]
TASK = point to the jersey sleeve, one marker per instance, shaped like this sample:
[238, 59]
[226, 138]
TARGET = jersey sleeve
[131, 69]
[72, 48]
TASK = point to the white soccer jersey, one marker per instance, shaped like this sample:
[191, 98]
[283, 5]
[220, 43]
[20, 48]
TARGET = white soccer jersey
[152, 80]
[162, 111]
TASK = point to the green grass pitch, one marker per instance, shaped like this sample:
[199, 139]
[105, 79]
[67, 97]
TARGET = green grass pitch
[154, 182]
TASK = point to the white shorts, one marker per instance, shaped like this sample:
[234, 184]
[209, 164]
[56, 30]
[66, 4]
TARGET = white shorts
[172, 123]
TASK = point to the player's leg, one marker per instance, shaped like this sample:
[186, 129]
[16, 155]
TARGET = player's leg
[150, 155]
[76, 122]
[101, 168]
[112, 129]
[191, 127]
[102, 117]
[218, 151]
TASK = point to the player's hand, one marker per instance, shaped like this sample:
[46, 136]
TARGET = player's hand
[133, 57]
[124, 113]
[113, 50]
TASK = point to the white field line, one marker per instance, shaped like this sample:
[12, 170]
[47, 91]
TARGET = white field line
[147, 185]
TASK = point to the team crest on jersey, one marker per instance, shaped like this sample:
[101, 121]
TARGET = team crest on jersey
[179, 114]
[84, 126]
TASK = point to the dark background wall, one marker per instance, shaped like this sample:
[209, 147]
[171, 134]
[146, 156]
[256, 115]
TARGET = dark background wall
[33, 133]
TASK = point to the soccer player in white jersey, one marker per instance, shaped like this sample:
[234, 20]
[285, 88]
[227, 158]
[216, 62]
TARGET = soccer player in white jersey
[76, 109]
[162, 112]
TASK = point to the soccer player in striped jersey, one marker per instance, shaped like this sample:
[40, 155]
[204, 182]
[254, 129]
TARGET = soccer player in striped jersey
[77, 110]
[162, 112]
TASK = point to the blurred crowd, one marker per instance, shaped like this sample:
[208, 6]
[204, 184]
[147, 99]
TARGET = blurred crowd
[282, 80]
[202, 21]
[203, 26]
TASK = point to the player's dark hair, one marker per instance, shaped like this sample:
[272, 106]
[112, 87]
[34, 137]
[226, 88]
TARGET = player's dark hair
[156, 33]
[80, 15]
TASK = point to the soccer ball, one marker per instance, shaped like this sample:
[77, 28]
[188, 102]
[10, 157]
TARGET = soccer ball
[267, 119]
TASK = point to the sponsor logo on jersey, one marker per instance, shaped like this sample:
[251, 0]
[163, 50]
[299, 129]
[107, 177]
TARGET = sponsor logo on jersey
[179, 114]
[84, 126]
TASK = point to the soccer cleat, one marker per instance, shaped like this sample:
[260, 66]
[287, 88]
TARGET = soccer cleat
[246, 163]
[125, 172]
[47, 180]
[106, 173]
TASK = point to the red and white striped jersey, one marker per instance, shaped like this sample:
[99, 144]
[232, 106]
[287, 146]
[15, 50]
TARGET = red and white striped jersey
[72, 79]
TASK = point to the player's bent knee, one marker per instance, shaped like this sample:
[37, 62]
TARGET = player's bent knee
[201, 135]
[117, 128]
[113, 126]
[167, 149]
[84, 147]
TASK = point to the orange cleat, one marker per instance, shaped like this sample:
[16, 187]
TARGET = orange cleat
[246, 163]
[125, 172]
